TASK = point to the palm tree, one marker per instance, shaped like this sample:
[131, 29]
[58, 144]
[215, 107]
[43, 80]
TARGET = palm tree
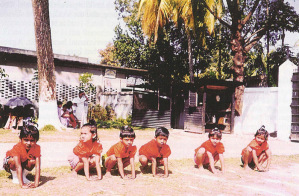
[156, 13]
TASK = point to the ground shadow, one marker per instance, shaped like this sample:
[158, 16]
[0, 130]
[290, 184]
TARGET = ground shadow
[43, 179]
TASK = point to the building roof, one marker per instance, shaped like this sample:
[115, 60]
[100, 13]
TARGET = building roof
[60, 60]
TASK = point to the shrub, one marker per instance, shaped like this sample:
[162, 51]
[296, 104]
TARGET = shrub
[117, 123]
[48, 128]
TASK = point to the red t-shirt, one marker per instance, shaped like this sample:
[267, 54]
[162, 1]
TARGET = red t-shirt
[218, 149]
[81, 150]
[20, 150]
[258, 148]
[151, 149]
[121, 151]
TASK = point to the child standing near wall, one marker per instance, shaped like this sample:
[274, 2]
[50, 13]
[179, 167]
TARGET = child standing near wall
[257, 152]
[122, 153]
[156, 152]
[23, 157]
[210, 152]
[87, 153]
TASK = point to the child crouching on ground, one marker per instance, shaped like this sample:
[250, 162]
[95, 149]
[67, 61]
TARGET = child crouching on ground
[23, 157]
[257, 151]
[87, 154]
[156, 152]
[121, 153]
[210, 152]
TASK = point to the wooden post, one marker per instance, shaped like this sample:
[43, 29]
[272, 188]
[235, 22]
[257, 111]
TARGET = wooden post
[158, 99]
[204, 99]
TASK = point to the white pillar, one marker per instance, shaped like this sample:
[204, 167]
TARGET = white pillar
[285, 89]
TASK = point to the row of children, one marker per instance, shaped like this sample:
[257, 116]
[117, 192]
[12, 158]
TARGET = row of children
[25, 155]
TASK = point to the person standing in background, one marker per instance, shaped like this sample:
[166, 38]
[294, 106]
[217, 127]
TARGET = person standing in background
[80, 108]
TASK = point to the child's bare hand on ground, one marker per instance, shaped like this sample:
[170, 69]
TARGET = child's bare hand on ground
[129, 177]
[160, 175]
[28, 185]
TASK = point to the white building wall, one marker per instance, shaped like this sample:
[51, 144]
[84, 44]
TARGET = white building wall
[269, 106]
[120, 102]
[259, 108]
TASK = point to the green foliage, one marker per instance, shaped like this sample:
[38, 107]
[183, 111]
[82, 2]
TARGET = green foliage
[98, 113]
[2, 73]
[105, 117]
[108, 55]
[35, 75]
[86, 84]
[47, 128]
[117, 123]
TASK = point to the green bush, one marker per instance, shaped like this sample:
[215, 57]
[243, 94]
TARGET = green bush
[117, 123]
[105, 117]
[48, 128]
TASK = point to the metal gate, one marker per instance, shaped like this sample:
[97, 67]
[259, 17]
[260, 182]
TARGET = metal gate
[295, 108]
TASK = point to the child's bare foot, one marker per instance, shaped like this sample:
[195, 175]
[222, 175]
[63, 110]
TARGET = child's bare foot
[108, 175]
[200, 167]
[245, 167]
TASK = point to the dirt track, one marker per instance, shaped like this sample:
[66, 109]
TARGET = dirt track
[182, 145]
[184, 179]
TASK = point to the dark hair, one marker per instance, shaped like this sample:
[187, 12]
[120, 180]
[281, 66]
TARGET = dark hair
[93, 129]
[162, 131]
[59, 102]
[127, 131]
[69, 104]
[81, 92]
[262, 131]
[31, 131]
[216, 132]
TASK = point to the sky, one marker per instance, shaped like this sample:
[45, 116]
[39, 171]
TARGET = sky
[78, 27]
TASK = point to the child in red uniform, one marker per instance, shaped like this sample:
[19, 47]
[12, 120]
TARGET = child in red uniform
[122, 153]
[156, 151]
[210, 152]
[257, 151]
[23, 157]
[88, 152]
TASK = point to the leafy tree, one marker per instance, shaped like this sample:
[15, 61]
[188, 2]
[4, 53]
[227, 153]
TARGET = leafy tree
[86, 83]
[247, 22]
[108, 55]
[156, 14]
[165, 59]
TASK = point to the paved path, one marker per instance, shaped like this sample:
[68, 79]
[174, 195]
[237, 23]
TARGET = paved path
[181, 143]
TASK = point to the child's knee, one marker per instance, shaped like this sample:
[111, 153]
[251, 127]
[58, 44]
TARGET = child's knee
[201, 151]
[111, 160]
[143, 159]
[248, 150]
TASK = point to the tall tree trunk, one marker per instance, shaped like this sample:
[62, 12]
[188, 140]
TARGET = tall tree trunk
[191, 67]
[238, 59]
[219, 50]
[268, 46]
[45, 62]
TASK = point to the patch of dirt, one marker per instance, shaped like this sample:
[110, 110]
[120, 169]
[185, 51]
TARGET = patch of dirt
[184, 179]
